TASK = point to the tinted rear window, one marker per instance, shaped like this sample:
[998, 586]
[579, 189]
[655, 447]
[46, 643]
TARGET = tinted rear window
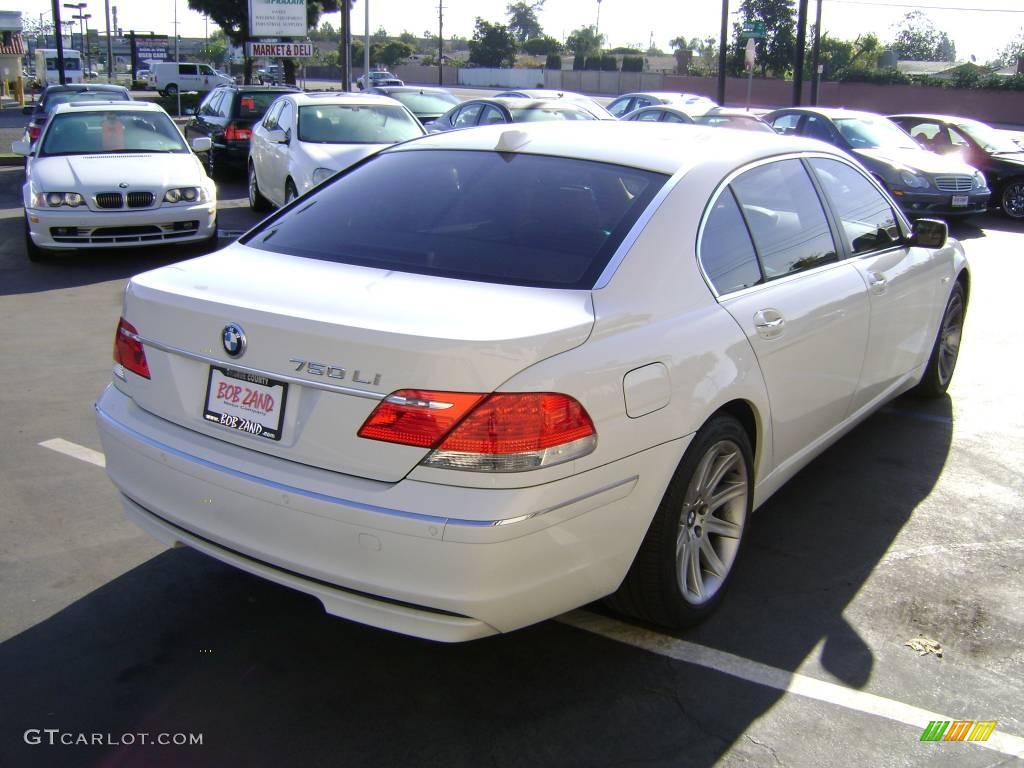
[252, 104]
[517, 219]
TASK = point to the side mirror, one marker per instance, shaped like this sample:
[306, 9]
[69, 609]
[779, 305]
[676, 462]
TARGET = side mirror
[278, 136]
[190, 111]
[202, 144]
[23, 148]
[28, 110]
[930, 233]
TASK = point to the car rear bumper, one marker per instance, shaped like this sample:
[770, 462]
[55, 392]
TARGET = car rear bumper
[932, 204]
[395, 556]
[67, 229]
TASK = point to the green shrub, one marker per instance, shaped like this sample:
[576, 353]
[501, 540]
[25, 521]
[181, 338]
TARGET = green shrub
[554, 61]
[632, 63]
[609, 63]
[579, 62]
[593, 63]
[874, 76]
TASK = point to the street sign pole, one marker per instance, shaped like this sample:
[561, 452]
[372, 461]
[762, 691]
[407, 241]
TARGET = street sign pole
[750, 60]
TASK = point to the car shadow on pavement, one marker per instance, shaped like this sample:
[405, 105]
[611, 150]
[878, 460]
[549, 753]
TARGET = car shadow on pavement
[974, 227]
[184, 644]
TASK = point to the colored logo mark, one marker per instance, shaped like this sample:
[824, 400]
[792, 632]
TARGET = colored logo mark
[958, 730]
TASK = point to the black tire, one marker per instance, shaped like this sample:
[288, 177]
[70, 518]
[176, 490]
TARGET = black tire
[290, 193]
[34, 252]
[656, 589]
[211, 164]
[946, 349]
[170, 90]
[1012, 199]
[257, 201]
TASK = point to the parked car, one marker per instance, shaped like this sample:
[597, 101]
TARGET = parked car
[922, 182]
[378, 77]
[169, 77]
[54, 95]
[690, 103]
[114, 174]
[485, 377]
[997, 156]
[142, 74]
[305, 138]
[427, 104]
[721, 117]
[586, 102]
[659, 114]
[226, 116]
[507, 110]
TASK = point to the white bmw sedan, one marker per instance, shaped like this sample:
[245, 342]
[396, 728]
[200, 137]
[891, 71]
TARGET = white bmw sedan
[113, 175]
[570, 371]
[305, 138]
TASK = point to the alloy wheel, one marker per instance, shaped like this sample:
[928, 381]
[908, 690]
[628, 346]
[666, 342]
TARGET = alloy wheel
[949, 338]
[1013, 200]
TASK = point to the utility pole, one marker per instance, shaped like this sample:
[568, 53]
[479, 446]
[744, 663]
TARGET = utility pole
[597, 26]
[366, 47]
[440, 43]
[110, 46]
[816, 58]
[722, 60]
[58, 39]
[346, 45]
[798, 57]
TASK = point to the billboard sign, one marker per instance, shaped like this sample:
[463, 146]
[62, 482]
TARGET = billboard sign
[277, 18]
[280, 50]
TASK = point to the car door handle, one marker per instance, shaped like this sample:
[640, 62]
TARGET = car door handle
[877, 283]
[769, 323]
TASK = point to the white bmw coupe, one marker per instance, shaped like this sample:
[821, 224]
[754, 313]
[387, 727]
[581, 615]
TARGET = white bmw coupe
[487, 376]
[112, 175]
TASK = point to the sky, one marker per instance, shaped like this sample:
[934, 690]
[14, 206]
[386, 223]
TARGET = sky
[977, 27]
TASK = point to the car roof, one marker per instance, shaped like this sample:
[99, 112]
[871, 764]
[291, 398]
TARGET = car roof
[105, 106]
[339, 97]
[411, 89]
[96, 87]
[275, 88]
[939, 118]
[652, 146]
[829, 112]
[670, 95]
[518, 102]
[660, 108]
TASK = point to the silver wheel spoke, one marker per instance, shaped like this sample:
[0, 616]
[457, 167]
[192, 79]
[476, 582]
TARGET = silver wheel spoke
[723, 464]
[696, 578]
[720, 527]
[715, 565]
[732, 491]
[699, 482]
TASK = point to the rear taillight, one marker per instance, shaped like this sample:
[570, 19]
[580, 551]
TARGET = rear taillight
[34, 131]
[128, 350]
[234, 133]
[501, 432]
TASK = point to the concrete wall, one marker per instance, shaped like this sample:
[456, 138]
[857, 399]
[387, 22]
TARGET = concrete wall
[482, 77]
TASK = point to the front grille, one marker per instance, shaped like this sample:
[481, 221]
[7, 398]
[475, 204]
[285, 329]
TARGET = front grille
[140, 199]
[109, 200]
[123, 231]
[954, 183]
[133, 234]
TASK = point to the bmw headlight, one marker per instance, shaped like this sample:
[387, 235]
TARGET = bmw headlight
[57, 199]
[979, 180]
[913, 180]
[320, 175]
[185, 194]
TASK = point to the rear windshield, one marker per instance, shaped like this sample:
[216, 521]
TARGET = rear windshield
[425, 103]
[357, 124]
[252, 104]
[517, 219]
[540, 113]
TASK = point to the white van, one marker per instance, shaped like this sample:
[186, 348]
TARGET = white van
[46, 66]
[169, 77]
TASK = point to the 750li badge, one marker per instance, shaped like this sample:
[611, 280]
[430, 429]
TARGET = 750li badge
[333, 372]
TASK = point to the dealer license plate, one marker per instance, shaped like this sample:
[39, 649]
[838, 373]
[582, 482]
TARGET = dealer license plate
[959, 200]
[246, 402]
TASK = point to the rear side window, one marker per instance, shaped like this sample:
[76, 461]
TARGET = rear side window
[515, 219]
[726, 253]
[785, 218]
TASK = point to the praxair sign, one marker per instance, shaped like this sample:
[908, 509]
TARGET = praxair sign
[277, 18]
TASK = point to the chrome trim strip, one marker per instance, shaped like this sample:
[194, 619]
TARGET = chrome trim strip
[638, 227]
[315, 495]
[259, 372]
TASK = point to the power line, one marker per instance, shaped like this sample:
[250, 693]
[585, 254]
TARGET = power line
[929, 7]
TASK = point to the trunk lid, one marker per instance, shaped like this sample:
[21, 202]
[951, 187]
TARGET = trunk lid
[366, 332]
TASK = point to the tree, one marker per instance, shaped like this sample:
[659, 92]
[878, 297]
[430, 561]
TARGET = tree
[394, 52]
[493, 45]
[522, 19]
[542, 46]
[214, 48]
[866, 50]
[409, 39]
[232, 16]
[775, 50]
[585, 41]
[1011, 51]
[917, 39]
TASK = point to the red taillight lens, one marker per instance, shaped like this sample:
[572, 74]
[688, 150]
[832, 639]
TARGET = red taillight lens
[502, 432]
[33, 132]
[128, 350]
[234, 133]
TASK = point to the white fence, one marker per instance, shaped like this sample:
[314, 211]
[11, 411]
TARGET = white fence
[501, 78]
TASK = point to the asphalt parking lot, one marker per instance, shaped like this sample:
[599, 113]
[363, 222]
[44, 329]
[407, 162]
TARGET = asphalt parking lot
[908, 529]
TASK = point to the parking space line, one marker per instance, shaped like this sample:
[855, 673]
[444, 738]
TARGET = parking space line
[75, 451]
[780, 679]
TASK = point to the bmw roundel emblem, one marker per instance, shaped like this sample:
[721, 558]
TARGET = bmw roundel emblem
[234, 339]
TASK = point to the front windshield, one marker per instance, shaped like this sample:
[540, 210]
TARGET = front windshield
[356, 124]
[989, 139]
[425, 103]
[540, 114]
[111, 131]
[64, 97]
[865, 133]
